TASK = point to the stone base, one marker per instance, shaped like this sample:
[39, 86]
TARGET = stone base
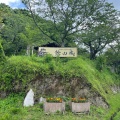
[80, 107]
[54, 107]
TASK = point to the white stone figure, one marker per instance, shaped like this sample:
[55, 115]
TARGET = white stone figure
[29, 99]
[41, 100]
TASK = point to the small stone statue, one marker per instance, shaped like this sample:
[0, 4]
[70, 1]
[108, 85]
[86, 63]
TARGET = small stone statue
[41, 100]
[29, 99]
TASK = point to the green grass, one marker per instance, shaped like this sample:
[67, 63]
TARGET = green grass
[24, 68]
[11, 109]
[114, 102]
[117, 117]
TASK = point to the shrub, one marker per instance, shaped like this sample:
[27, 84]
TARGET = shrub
[2, 55]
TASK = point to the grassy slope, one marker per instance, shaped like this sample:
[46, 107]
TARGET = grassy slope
[25, 68]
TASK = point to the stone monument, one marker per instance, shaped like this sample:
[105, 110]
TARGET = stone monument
[29, 99]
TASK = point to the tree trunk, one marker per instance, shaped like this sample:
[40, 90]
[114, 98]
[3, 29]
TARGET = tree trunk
[92, 53]
[92, 56]
[28, 50]
[63, 44]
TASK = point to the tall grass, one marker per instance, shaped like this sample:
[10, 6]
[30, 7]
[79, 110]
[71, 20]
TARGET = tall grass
[22, 69]
[11, 108]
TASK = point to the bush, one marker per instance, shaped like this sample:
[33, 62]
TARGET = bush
[2, 55]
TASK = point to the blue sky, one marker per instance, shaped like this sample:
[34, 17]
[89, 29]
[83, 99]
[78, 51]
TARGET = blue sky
[18, 4]
[116, 3]
[13, 3]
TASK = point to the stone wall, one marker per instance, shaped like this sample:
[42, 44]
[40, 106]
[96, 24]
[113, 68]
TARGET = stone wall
[57, 86]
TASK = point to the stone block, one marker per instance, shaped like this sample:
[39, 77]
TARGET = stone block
[80, 107]
[54, 107]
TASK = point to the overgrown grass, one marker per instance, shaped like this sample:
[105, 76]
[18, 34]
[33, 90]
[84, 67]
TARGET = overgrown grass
[117, 117]
[22, 69]
[11, 109]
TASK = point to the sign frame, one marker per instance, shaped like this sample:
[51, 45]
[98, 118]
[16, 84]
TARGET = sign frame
[58, 51]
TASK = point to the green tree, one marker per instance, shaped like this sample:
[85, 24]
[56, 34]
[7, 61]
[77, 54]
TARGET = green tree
[104, 31]
[11, 33]
[97, 38]
[113, 56]
[20, 32]
[67, 17]
[2, 55]
[4, 11]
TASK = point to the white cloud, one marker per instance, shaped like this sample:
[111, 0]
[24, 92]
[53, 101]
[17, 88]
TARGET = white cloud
[13, 3]
[7, 2]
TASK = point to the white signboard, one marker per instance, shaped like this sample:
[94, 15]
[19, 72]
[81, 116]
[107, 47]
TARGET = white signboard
[58, 51]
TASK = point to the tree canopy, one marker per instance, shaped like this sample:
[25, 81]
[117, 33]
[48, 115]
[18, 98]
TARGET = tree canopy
[68, 16]
[19, 31]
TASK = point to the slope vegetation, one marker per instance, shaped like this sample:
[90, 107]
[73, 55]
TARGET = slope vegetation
[18, 71]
